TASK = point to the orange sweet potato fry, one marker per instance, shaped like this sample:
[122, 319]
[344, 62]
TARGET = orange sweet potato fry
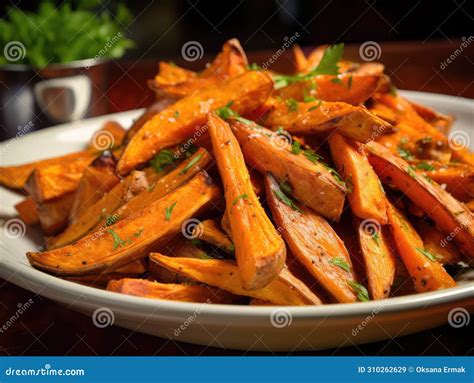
[449, 214]
[28, 211]
[132, 238]
[379, 260]
[109, 137]
[285, 289]
[313, 242]
[53, 215]
[426, 272]
[366, 195]
[259, 250]
[168, 291]
[178, 122]
[354, 122]
[210, 231]
[311, 181]
[438, 244]
[98, 178]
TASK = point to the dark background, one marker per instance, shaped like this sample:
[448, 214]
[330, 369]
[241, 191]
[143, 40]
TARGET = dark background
[160, 28]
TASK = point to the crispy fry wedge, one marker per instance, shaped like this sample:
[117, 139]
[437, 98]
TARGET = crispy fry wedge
[458, 178]
[98, 178]
[301, 62]
[379, 260]
[28, 211]
[438, 244]
[131, 238]
[259, 250]
[178, 121]
[354, 122]
[56, 179]
[176, 82]
[155, 108]
[366, 195]
[102, 209]
[285, 289]
[311, 181]
[314, 244]
[53, 215]
[426, 272]
[14, 177]
[168, 291]
[440, 121]
[210, 231]
[110, 136]
[450, 215]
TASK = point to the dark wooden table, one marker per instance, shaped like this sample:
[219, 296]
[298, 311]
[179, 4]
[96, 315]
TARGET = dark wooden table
[47, 328]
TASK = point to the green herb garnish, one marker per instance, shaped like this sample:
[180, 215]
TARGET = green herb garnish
[225, 112]
[164, 158]
[169, 211]
[287, 201]
[118, 242]
[427, 254]
[292, 105]
[404, 153]
[360, 290]
[314, 107]
[254, 66]
[340, 262]
[424, 166]
[286, 187]
[311, 155]
[191, 164]
[239, 197]
[296, 147]
[328, 66]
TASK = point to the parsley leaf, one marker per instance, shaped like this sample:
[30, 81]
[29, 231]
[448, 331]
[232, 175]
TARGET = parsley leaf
[292, 105]
[191, 164]
[360, 290]
[118, 242]
[405, 153]
[311, 155]
[162, 159]
[424, 166]
[239, 197]
[287, 201]
[340, 262]
[254, 66]
[169, 211]
[427, 254]
[296, 147]
[225, 112]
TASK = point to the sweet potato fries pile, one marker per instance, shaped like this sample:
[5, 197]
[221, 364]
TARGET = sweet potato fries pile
[244, 186]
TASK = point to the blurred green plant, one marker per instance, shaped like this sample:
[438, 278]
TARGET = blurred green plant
[75, 30]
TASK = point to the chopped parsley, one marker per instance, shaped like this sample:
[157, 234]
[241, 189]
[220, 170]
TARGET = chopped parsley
[169, 211]
[424, 166]
[340, 262]
[296, 147]
[314, 107]
[376, 237]
[225, 112]
[292, 105]
[287, 201]
[328, 66]
[253, 66]
[427, 254]
[238, 198]
[118, 242]
[309, 99]
[162, 159]
[191, 164]
[286, 187]
[138, 233]
[404, 153]
[176, 114]
[311, 155]
[360, 290]
[411, 172]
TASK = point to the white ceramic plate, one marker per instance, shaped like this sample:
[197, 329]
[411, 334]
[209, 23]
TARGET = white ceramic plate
[239, 327]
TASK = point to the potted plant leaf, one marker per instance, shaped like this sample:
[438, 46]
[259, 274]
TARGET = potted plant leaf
[53, 66]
